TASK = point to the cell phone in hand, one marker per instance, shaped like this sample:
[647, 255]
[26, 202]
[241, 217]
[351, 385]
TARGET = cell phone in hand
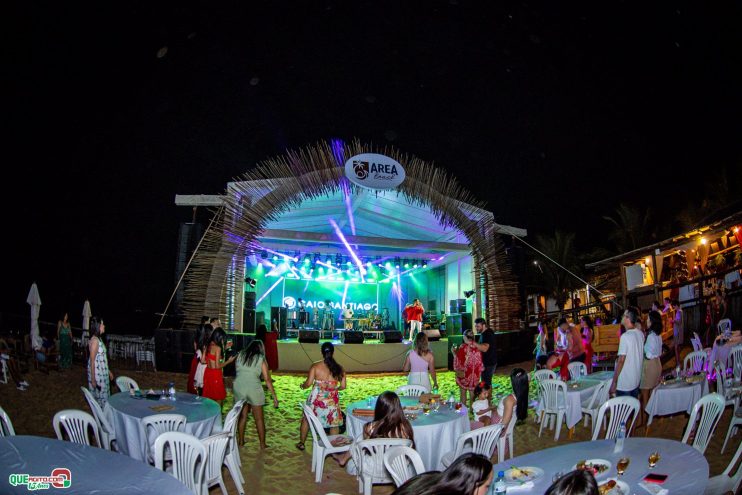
[655, 478]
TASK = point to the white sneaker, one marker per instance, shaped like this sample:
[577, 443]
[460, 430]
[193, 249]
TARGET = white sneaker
[21, 388]
[24, 383]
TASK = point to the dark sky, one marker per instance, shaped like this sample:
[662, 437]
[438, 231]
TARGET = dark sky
[552, 113]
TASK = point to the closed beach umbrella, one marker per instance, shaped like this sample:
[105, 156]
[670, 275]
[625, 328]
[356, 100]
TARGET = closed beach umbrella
[86, 314]
[34, 300]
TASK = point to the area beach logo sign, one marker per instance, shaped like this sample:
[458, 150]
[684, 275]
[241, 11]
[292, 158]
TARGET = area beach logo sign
[374, 171]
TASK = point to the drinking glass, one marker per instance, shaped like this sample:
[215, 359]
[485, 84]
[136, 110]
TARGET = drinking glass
[557, 476]
[426, 409]
[622, 465]
[458, 406]
[654, 458]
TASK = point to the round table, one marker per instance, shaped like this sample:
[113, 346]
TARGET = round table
[126, 414]
[435, 434]
[674, 397]
[91, 470]
[687, 469]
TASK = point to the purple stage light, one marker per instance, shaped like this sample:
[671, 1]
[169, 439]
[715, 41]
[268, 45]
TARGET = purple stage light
[352, 253]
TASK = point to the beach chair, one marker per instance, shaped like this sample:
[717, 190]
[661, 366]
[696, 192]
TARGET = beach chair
[76, 424]
[403, 463]
[726, 481]
[620, 409]
[554, 394]
[713, 406]
[216, 451]
[188, 457]
[322, 444]
[107, 432]
[480, 441]
[575, 368]
[125, 384]
[368, 456]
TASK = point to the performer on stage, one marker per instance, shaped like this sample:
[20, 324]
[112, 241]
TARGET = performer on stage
[302, 314]
[348, 317]
[328, 318]
[414, 314]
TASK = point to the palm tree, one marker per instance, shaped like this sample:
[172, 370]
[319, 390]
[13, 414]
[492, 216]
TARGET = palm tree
[633, 228]
[556, 281]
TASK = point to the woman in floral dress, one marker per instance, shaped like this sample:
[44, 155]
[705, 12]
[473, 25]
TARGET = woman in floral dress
[99, 376]
[467, 362]
[326, 378]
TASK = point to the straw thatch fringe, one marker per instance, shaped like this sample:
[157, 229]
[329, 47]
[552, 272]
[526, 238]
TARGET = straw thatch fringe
[282, 183]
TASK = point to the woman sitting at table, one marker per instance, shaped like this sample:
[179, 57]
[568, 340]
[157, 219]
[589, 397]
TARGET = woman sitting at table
[326, 378]
[575, 347]
[251, 365]
[389, 422]
[470, 474]
[420, 362]
[577, 482]
[651, 366]
[213, 375]
[515, 403]
[467, 363]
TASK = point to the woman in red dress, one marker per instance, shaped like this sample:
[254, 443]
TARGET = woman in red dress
[198, 349]
[213, 376]
[588, 335]
[467, 362]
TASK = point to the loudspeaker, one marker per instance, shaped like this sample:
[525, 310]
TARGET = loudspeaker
[432, 305]
[259, 318]
[467, 322]
[457, 306]
[248, 321]
[309, 336]
[249, 300]
[352, 337]
[453, 324]
[391, 337]
[279, 315]
[433, 334]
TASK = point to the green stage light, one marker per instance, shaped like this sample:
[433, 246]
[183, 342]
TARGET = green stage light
[307, 261]
[275, 257]
[388, 265]
[322, 268]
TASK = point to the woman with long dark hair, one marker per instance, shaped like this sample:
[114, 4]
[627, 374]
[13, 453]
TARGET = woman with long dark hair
[651, 366]
[64, 336]
[470, 474]
[467, 362]
[213, 375]
[420, 362]
[588, 335]
[99, 376]
[251, 365]
[515, 403]
[198, 358]
[326, 378]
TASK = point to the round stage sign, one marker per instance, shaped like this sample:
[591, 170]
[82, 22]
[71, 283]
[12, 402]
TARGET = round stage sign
[289, 302]
[374, 171]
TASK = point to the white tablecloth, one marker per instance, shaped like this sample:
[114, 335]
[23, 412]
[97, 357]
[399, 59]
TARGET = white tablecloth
[435, 434]
[687, 469]
[721, 353]
[92, 470]
[675, 397]
[579, 391]
[126, 414]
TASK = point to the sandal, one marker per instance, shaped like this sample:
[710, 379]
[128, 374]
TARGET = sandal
[300, 445]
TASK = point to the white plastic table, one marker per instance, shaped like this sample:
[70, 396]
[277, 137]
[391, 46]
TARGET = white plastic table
[687, 469]
[126, 414]
[579, 391]
[435, 434]
[91, 470]
[675, 397]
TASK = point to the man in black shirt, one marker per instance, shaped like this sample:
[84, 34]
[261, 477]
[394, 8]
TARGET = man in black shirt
[486, 346]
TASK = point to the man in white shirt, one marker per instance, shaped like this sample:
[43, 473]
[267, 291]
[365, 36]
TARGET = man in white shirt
[628, 372]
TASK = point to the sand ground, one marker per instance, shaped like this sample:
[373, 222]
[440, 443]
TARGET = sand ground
[282, 468]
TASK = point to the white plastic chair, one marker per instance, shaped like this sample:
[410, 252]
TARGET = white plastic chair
[107, 432]
[146, 357]
[216, 451]
[157, 424]
[696, 342]
[726, 481]
[554, 394]
[620, 409]
[412, 390]
[574, 370]
[6, 426]
[232, 458]
[539, 376]
[695, 361]
[731, 398]
[735, 422]
[4, 370]
[724, 326]
[403, 463]
[735, 356]
[505, 442]
[322, 446]
[480, 441]
[124, 383]
[368, 456]
[713, 406]
[188, 455]
[76, 424]
[591, 407]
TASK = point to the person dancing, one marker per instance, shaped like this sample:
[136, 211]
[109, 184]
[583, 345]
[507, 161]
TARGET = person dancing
[414, 314]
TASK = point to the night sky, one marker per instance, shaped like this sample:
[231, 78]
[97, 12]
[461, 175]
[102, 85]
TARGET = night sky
[551, 113]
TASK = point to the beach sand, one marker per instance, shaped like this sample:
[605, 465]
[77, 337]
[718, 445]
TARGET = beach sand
[282, 468]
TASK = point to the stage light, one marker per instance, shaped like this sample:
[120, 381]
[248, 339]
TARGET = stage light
[425, 264]
[396, 261]
[406, 263]
[251, 282]
[317, 257]
[321, 268]
[338, 259]
[307, 260]
[388, 265]
[264, 254]
[349, 263]
[415, 264]
[468, 293]
[275, 257]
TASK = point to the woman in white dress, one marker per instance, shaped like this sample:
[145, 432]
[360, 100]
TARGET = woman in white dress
[421, 363]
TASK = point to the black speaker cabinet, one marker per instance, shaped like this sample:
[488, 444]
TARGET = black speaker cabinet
[457, 305]
[391, 336]
[173, 349]
[309, 336]
[432, 305]
[453, 324]
[249, 300]
[433, 334]
[467, 322]
[248, 321]
[279, 315]
[259, 318]
[352, 337]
